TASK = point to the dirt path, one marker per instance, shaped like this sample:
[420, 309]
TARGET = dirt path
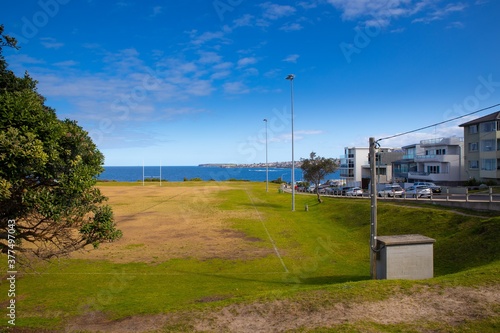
[451, 306]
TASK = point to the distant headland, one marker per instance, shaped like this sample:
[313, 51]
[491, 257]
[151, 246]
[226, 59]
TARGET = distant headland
[283, 165]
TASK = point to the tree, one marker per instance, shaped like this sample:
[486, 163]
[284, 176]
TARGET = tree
[315, 169]
[48, 169]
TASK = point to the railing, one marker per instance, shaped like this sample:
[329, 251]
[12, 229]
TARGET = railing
[458, 194]
[442, 141]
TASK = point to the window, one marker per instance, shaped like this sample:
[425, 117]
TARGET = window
[488, 164]
[498, 144]
[490, 126]
[473, 164]
[433, 152]
[473, 146]
[487, 145]
[433, 169]
[472, 129]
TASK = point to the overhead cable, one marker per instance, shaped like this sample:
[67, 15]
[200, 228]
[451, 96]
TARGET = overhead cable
[440, 123]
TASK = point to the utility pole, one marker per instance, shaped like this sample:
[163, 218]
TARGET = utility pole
[373, 220]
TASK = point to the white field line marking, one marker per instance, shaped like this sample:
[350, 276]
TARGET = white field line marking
[268, 234]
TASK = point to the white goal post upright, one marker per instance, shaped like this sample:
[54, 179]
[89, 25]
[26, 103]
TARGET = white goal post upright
[144, 176]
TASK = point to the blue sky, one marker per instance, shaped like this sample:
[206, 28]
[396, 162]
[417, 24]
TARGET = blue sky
[190, 82]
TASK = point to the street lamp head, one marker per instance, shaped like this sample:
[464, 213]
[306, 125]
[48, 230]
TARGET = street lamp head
[290, 77]
[265, 120]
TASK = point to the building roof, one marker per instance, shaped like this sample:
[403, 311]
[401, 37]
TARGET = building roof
[490, 117]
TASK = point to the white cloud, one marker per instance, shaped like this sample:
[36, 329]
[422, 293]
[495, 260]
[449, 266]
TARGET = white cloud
[382, 12]
[353, 9]
[308, 4]
[209, 57]
[455, 25]
[291, 27]
[244, 21]
[441, 13]
[67, 63]
[274, 11]
[292, 58]
[235, 88]
[51, 43]
[20, 60]
[246, 61]
[207, 37]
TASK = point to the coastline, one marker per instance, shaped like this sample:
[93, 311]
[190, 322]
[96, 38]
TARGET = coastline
[256, 173]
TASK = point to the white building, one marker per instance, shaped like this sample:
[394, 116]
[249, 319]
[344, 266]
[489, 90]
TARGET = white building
[355, 165]
[351, 165]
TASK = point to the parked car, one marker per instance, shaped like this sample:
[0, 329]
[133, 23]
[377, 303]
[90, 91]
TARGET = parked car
[331, 190]
[343, 190]
[299, 187]
[354, 192]
[435, 188]
[391, 191]
[323, 189]
[418, 191]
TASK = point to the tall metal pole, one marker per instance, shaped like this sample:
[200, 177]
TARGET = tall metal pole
[267, 165]
[373, 196]
[291, 77]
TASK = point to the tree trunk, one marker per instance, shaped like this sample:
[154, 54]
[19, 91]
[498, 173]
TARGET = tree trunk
[317, 193]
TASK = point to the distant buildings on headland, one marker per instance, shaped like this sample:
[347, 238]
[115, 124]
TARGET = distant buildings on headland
[284, 165]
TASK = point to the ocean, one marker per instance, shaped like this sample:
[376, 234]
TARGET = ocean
[180, 173]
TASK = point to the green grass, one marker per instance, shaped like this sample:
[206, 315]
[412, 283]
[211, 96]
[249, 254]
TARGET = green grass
[324, 252]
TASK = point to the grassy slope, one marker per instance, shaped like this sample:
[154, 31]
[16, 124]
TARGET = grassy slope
[325, 248]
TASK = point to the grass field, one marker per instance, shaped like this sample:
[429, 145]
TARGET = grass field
[229, 257]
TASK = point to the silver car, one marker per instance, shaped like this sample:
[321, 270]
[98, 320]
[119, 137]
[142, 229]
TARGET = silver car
[354, 192]
[418, 191]
[392, 191]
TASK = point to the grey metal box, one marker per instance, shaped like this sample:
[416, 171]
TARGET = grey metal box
[407, 257]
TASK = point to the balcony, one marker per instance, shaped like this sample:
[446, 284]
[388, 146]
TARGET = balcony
[437, 158]
[442, 142]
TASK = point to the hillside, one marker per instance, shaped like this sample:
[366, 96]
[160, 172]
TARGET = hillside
[229, 257]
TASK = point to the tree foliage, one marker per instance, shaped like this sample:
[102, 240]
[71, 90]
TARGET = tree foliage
[315, 168]
[48, 169]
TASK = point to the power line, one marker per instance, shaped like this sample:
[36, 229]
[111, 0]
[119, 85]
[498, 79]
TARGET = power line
[437, 124]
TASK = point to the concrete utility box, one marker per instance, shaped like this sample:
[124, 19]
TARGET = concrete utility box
[409, 257]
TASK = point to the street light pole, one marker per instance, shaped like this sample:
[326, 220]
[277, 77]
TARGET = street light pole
[267, 165]
[373, 217]
[290, 77]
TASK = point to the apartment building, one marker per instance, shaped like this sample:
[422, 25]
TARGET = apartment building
[482, 148]
[351, 164]
[439, 160]
[355, 165]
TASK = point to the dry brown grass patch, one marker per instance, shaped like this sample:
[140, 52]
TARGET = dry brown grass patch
[162, 223]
